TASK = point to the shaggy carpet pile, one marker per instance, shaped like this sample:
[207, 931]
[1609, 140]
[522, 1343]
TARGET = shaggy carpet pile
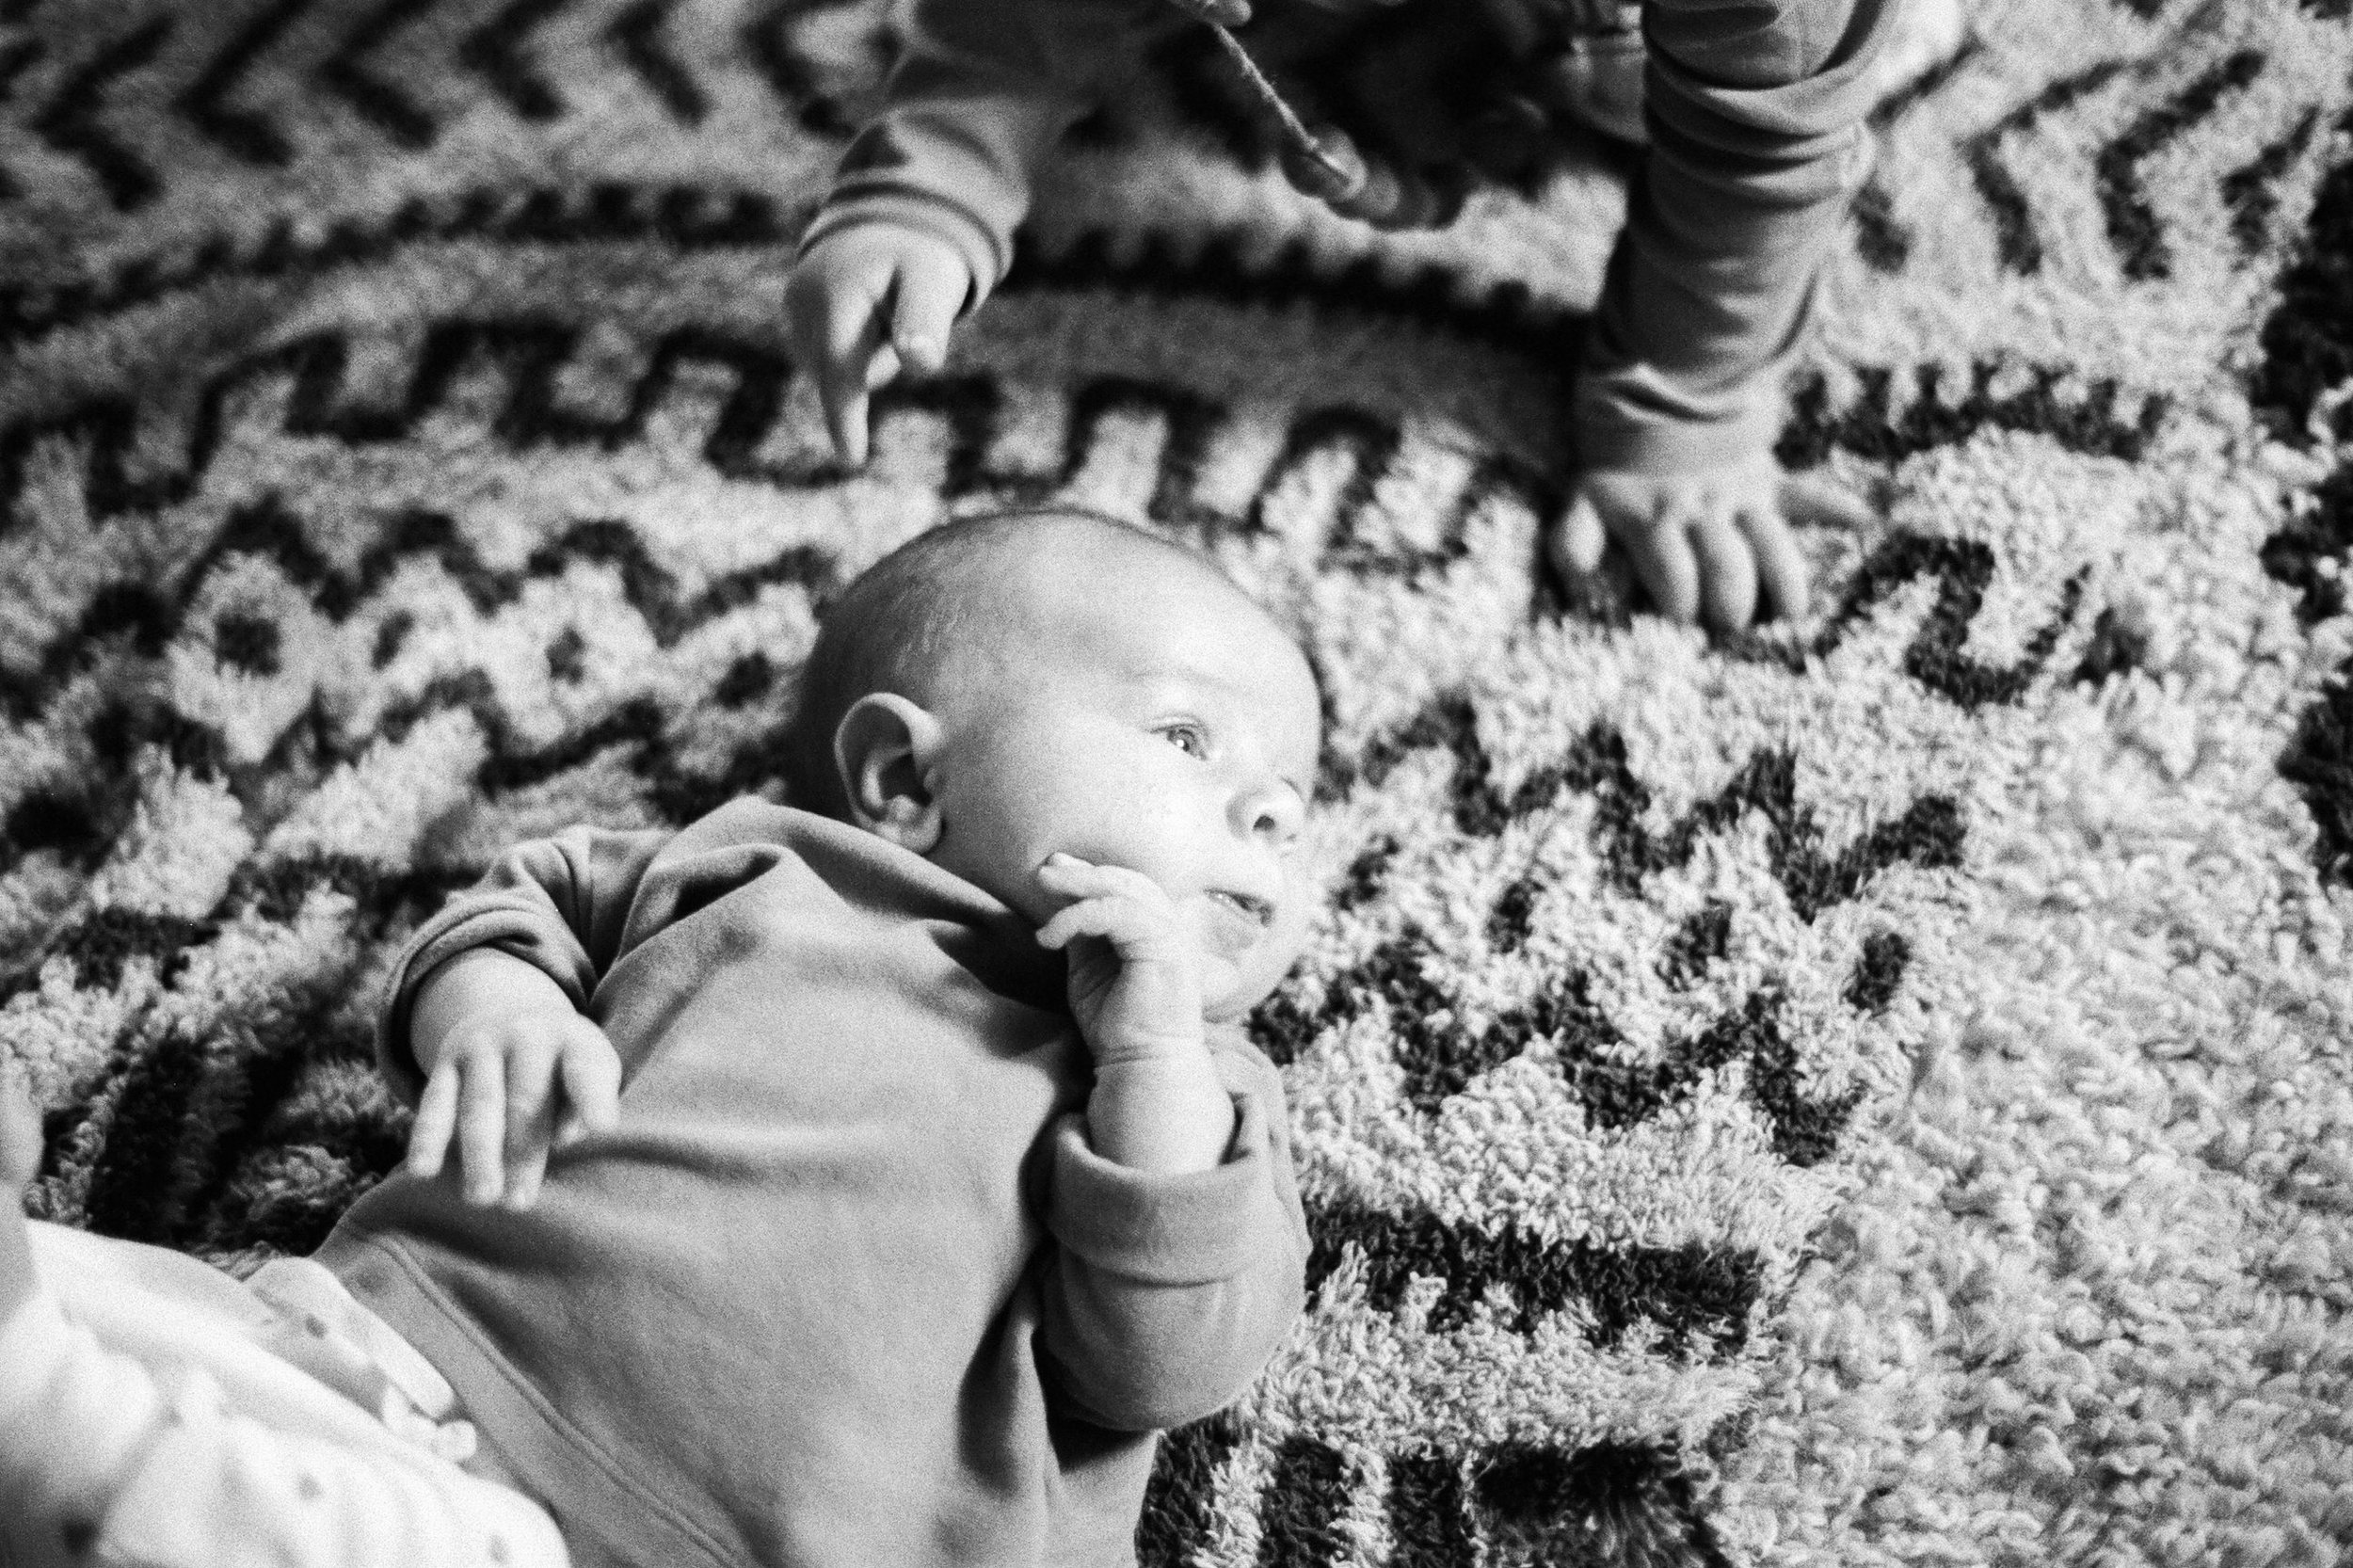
[1869, 1091]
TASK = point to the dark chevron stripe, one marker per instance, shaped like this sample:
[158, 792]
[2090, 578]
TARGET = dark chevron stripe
[103, 941]
[2320, 762]
[2307, 340]
[1879, 972]
[495, 51]
[531, 355]
[68, 122]
[2314, 553]
[1513, 919]
[1430, 1518]
[1870, 428]
[791, 75]
[2115, 648]
[1504, 316]
[16, 57]
[242, 132]
[1927, 834]
[2015, 240]
[1616, 1503]
[392, 113]
[2132, 227]
[1698, 1298]
[1182, 1493]
[1927, 85]
[1439, 1056]
[1303, 1502]
[19, 57]
[687, 218]
[2249, 191]
[1934, 657]
[1885, 244]
[1698, 942]
[49, 820]
[637, 34]
[1190, 420]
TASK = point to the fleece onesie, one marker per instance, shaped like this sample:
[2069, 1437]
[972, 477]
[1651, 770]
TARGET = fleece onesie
[848, 1285]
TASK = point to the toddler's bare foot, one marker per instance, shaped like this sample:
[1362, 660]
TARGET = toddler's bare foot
[19, 1161]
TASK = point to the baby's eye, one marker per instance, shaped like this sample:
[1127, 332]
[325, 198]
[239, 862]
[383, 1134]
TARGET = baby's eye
[1188, 738]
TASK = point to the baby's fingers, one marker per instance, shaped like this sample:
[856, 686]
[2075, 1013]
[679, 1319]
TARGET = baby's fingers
[1135, 929]
[482, 1128]
[1068, 877]
[435, 1122]
[531, 1105]
[591, 1070]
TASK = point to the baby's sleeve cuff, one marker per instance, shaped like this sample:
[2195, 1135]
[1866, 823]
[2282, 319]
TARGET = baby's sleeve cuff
[1196, 1228]
[482, 921]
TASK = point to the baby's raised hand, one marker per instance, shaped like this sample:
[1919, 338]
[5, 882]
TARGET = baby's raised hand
[864, 303]
[516, 1074]
[1705, 543]
[1135, 982]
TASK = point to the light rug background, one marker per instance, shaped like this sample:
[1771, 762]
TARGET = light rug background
[1868, 1091]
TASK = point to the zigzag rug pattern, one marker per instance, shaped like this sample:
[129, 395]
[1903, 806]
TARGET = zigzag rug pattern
[1871, 1091]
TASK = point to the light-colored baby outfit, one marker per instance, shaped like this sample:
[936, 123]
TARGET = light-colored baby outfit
[155, 1413]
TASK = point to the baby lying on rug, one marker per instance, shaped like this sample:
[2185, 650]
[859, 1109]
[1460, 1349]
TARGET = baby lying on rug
[1755, 119]
[939, 1176]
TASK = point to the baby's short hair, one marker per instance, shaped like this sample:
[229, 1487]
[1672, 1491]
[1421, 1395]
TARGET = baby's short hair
[892, 629]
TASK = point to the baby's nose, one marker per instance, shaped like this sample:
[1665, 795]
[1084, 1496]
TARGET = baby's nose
[1272, 812]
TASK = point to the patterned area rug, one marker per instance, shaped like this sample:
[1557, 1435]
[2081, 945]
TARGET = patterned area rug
[1868, 1091]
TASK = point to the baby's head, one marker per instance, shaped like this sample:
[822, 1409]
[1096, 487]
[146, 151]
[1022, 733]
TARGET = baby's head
[1000, 689]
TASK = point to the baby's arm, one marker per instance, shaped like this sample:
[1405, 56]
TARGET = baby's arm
[919, 226]
[1165, 1294]
[484, 1023]
[1181, 1247]
[1136, 993]
[1757, 143]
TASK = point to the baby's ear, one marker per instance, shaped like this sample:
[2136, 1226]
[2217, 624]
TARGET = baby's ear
[883, 749]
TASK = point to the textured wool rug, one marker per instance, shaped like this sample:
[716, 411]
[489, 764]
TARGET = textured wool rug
[1873, 1091]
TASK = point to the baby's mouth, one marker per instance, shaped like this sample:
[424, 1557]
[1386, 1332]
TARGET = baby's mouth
[1242, 919]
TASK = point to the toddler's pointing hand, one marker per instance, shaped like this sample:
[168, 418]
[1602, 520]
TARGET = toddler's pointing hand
[864, 303]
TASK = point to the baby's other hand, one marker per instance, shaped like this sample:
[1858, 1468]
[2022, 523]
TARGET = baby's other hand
[865, 302]
[509, 1085]
[1705, 543]
[1135, 982]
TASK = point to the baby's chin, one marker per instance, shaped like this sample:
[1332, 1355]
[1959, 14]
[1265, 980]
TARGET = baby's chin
[1231, 987]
